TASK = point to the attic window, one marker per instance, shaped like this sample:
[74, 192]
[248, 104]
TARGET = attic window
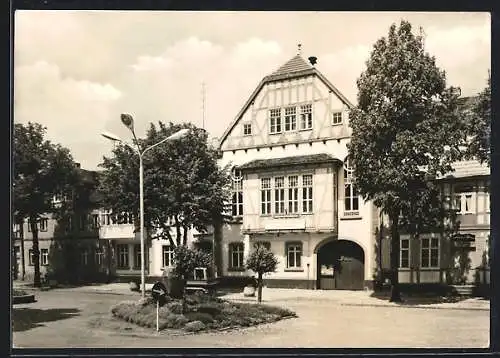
[247, 129]
[336, 117]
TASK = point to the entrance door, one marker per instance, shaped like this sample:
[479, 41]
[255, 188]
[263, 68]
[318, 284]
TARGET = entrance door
[341, 266]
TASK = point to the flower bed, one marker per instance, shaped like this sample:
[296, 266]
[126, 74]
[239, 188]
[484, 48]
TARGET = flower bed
[201, 313]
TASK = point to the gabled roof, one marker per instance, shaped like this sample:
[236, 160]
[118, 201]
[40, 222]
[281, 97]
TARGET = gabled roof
[294, 68]
[288, 161]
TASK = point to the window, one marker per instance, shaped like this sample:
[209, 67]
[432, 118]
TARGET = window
[137, 256]
[237, 197]
[404, 257]
[84, 257]
[82, 222]
[106, 218]
[307, 194]
[290, 119]
[279, 195]
[468, 203]
[247, 129]
[31, 258]
[430, 252]
[336, 117]
[95, 221]
[457, 205]
[99, 255]
[236, 255]
[44, 224]
[265, 196]
[275, 120]
[351, 199]
[294, 255]
[122, 256]
[167, 256]
[44, 257]
[306, 116]
[293, 194]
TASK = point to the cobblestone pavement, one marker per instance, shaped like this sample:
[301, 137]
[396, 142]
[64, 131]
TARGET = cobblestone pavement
[321, 323]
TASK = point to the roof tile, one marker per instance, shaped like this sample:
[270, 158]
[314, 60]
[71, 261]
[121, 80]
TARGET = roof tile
[287, 161]
[296, 64]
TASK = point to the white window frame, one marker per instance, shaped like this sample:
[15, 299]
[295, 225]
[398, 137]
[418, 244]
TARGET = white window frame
[307, 194]
[99, 255]
[123, 254]
[429, 249]
[237, 193]
[238, 249]
[247, 129]
[290, 124]
[265, 196]
[487, 201]
[275, 125]
[350, 193]
[44, 224]
[279, 195]
[306, 117]
[293, 194]
[44, 257]
[406, 250]
[294, 248]
[137, 256]
[31, 257]
[336, 117]
[167, 254]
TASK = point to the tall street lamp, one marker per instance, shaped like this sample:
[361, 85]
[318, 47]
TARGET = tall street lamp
[128, 121]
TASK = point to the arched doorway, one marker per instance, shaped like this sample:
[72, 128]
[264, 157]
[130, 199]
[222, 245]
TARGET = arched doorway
[341, 266]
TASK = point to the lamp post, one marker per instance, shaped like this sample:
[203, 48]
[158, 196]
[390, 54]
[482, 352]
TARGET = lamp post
[128, 121]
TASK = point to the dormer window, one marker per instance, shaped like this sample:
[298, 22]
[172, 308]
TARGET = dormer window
[247, 129]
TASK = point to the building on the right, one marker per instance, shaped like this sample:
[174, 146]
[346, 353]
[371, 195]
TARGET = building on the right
[460, 257]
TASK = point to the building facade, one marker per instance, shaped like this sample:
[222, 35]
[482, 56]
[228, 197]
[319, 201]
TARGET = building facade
[293, 191]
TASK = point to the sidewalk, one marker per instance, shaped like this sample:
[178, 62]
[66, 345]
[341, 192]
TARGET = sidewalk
[281, 296]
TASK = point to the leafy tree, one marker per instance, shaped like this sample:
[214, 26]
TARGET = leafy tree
[479, 127]
[406, 132]
[261, 261]
[183, 184]
[41, 170]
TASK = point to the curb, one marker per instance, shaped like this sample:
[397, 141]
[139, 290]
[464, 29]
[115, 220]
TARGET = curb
[416, 307]
[23, 299]
[374, 305]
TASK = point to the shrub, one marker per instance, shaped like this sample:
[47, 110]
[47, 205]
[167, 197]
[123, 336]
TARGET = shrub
[175, 321]
[145, 301]
[175, 307]
[212, 309]
[194, 326]
[199, 316]
[281, 312]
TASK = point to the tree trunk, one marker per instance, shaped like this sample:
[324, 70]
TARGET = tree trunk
[178, 232]
[395, 248]
[21, 238]
[184, 237]
[259, 287]
[36, 252]
[217, 248]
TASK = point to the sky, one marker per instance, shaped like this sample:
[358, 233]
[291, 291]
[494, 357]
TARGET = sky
[76, 71]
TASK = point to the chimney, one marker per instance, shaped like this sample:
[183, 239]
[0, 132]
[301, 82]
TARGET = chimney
[313, 60]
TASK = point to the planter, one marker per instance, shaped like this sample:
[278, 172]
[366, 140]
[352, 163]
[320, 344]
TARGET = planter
[23, 299]
[463, 290]
[249, 291]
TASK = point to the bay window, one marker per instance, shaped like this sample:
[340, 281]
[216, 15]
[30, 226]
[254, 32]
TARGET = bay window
[265, 192]
[293, 194]
[279, 195]
[307, 193]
